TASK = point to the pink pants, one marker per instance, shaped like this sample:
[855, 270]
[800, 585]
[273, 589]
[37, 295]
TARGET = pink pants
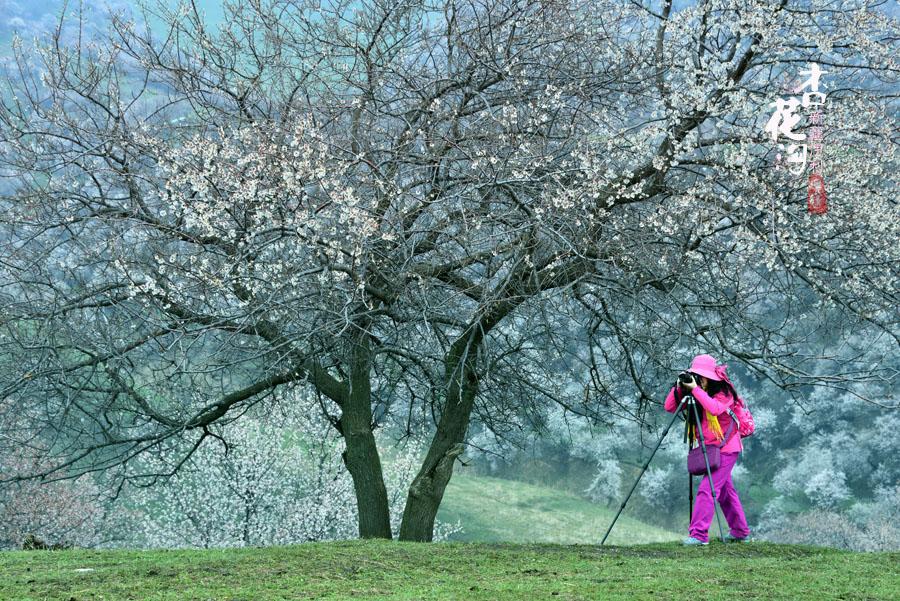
[728, 500]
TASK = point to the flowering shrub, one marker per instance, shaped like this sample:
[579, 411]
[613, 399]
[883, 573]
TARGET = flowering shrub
[870, 526]
[59, 512]
[280, 482]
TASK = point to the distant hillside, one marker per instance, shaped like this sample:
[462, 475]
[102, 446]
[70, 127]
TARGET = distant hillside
[494, 510]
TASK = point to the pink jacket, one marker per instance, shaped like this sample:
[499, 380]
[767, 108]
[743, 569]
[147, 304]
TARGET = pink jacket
[718, 406]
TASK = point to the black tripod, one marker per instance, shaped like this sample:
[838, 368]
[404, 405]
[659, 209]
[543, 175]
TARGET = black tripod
[688, 400]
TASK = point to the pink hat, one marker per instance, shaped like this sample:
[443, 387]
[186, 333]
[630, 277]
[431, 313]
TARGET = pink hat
[705, 365]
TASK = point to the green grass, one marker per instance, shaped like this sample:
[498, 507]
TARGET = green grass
[381, 570]
[496, 510]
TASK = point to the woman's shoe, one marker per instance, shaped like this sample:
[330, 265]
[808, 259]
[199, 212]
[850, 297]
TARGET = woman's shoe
[735, 539]
[691, 541]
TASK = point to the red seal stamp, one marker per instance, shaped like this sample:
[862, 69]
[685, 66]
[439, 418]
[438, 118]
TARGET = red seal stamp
[816, 199]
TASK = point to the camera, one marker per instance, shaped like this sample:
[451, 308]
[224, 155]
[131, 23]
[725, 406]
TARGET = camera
[685, 377]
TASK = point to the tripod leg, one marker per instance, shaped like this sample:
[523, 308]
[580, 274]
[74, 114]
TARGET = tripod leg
[690, 496]
[643, 469]
[712, 487]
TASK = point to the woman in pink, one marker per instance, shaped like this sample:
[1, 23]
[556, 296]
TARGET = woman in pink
[715, 395]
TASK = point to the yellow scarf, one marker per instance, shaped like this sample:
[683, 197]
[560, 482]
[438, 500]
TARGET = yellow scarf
[713, 423]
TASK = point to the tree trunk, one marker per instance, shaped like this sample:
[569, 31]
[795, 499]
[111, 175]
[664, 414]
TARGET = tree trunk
[426, 493]
[361, 454]
[247, 498]
[427, 489]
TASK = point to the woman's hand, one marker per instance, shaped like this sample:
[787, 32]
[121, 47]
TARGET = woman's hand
[689, 385]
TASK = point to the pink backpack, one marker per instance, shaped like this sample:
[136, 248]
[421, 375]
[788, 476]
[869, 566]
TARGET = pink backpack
[739, 411]
[744, 418]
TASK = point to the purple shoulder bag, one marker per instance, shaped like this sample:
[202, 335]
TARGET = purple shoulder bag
[695, 462]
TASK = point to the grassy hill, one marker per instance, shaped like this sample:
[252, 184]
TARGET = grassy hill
[385, 570]
[495, 510]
